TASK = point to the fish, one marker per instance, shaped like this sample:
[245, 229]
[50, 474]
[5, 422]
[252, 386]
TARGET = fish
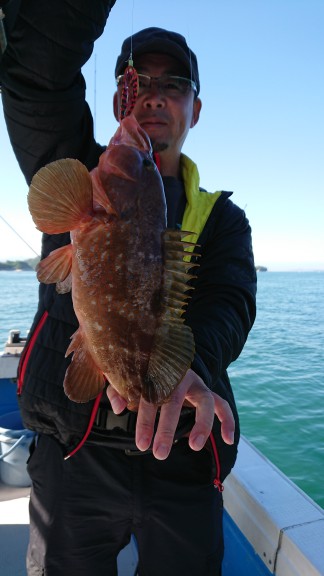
[128, 273]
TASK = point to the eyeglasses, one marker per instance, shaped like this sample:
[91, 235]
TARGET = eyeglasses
[168, 85]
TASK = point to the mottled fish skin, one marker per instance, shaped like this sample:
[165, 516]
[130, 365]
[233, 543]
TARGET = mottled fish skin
[117, 267]
[117, 270]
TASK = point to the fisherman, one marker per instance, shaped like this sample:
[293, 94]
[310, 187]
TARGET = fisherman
[156, 473]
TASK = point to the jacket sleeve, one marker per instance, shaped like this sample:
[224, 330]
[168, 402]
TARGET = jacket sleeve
[222, 309]
[43, 90]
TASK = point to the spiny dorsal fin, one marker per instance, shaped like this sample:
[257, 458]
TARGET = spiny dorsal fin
[173, 347]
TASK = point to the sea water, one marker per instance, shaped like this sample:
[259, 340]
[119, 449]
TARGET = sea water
[278, 380]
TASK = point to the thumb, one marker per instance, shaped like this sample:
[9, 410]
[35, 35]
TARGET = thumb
[118, 403]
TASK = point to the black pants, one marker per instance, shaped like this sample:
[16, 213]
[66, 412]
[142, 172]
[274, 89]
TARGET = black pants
[84, 510]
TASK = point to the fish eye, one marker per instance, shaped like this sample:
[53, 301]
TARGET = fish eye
[147, 163]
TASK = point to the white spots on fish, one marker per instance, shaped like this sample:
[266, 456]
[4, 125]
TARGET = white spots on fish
[151, 257]
[107, 240]
[123, 309]
[82, 260]
[119, 262]
[98, 327]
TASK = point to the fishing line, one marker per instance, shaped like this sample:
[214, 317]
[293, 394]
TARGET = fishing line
[21, 238]
[132, 31]
[3, 38]
[189, 43]
[95, 97]
[130, 80]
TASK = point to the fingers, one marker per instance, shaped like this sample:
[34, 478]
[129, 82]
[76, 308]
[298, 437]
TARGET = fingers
[208, 404]
[202, 399]
[168, 421]
[145, 424]
[118, 403]
[191, 390]
[224, 414]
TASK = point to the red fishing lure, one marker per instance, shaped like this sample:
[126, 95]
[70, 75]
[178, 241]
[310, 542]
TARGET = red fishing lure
[129, 91]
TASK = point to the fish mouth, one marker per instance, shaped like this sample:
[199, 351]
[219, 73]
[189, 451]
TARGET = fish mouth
[117, 170]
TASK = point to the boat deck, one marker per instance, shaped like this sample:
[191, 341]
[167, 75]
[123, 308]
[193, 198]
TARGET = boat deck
[14, 534]
[270, 526]
[13, 530]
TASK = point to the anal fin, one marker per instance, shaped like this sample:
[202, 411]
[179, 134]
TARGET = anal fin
[83, 379]
[56, 267]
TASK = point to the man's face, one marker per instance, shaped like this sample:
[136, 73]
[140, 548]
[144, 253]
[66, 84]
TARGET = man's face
[165, 118]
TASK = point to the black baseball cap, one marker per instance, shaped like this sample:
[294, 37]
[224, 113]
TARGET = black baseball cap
[160, 41]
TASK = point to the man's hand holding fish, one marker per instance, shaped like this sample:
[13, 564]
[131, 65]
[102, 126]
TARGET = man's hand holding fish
[192, 391]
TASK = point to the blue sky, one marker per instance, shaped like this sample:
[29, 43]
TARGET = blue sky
[261, 129]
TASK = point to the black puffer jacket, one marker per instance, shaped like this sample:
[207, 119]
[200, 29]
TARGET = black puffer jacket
[47, 117]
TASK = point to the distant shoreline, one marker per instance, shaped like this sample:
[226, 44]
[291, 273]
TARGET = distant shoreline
[30, 266]
[261, 269]
[19, 265]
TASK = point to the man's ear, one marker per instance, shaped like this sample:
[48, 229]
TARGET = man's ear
[197, 104]
[116, 106]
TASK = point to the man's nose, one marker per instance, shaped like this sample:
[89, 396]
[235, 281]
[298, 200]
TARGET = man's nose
[154, 101]
[154, 97]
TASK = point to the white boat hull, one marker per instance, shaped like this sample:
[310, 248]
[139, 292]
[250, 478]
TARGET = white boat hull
[270, 525]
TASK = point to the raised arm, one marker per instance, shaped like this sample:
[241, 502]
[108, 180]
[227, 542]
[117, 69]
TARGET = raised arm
[43, 90]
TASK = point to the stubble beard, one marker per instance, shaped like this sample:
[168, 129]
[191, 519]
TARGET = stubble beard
[158, 146]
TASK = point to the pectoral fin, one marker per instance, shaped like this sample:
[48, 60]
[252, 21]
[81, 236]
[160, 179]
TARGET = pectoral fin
[60, 196]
